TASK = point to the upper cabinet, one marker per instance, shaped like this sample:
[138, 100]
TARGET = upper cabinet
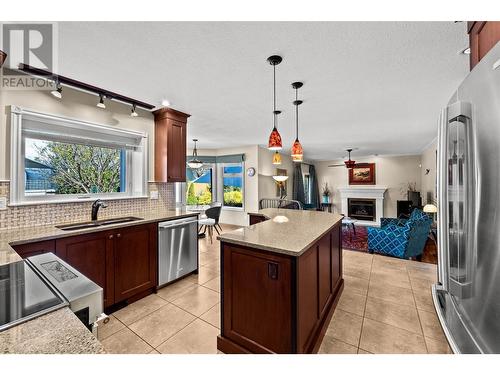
[483, 35]
[170, 145]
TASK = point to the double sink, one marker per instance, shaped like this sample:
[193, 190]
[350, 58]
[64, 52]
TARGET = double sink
[97, 223]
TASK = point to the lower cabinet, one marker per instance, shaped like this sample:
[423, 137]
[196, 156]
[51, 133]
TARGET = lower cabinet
[135, 261]
[121, 261]
[89, 254]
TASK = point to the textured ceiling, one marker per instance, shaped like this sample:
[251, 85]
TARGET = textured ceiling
[376, 86]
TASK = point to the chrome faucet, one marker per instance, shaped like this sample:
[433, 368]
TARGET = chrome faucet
[95, 208]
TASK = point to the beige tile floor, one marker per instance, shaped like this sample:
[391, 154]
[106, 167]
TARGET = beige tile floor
[386, 307]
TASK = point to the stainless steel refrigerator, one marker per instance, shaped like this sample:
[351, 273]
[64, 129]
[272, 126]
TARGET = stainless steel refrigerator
[467, 296]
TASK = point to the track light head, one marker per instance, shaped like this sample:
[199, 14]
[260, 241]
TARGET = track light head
[57, 93]
[133, 113]
[101, 102]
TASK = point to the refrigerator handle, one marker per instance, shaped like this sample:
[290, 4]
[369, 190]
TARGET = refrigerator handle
[457, 279]
[442, 220]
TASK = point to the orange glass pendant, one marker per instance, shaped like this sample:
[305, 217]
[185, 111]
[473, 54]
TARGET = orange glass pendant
[275, 140]
[297, 151]
[277, 158]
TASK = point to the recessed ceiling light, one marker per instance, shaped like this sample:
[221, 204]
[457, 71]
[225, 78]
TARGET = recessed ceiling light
[165, 103]
[465, 51]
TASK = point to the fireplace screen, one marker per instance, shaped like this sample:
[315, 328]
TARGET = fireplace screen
[362, 209]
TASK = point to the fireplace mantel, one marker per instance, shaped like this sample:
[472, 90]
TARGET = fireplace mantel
[376, 192]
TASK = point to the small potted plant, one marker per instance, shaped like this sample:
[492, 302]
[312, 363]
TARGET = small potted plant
[326, 193]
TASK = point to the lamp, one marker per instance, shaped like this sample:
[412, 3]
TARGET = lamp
[297, 151]
[195, 163]
[430, 209]
[274, 142]
[280, 180]
[58, 91]
[277, 158]
[101, 102]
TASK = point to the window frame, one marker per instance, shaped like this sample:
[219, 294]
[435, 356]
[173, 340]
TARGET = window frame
[136, 183]
[220, 185]
[213, 167]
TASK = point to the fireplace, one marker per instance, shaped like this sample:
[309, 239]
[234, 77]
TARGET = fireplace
[362, 209]
[372, 193]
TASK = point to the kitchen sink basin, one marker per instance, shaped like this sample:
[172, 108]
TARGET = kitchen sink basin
[97, 223]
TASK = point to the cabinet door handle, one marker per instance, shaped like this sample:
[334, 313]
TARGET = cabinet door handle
[110, 237]
[272, 270]
[118, 235]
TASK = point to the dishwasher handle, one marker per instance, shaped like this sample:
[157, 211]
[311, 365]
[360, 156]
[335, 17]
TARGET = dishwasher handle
[177, 223]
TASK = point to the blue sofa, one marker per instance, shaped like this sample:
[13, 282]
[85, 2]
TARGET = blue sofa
[402, 238]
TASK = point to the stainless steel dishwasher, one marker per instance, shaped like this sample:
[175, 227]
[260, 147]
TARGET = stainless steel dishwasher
[177, 249]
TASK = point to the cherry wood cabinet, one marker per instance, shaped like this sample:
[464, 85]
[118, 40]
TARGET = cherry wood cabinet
[122, 261]
[483, 36]
[276, 303]
[256, 218]
[35, 248]
[135, 260]
[91, 254]
[170, 145]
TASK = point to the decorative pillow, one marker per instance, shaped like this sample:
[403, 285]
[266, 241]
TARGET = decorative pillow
[417, 215]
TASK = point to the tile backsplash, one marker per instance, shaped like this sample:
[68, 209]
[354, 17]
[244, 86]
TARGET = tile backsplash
[56, 213]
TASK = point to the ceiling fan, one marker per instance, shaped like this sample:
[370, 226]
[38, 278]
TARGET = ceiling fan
[348, 163]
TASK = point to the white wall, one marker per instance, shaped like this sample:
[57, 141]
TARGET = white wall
[391, 171]
[75, 104]
[429, 180]
[266, 169]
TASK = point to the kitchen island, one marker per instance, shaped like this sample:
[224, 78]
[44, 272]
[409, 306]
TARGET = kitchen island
[281, 279]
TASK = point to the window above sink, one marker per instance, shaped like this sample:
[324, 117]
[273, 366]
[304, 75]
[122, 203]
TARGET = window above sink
[57, 159]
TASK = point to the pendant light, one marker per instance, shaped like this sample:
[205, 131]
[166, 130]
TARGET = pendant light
[195, 163]
[274, 143]
[297, 151]
[276, 158]
[277, 155]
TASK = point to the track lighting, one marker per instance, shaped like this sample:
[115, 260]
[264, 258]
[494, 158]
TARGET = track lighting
[133, 113]
[58, 91]
[101, 102]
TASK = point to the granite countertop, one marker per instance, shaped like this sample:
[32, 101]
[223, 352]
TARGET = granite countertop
[289, 232]
[59, 331]
[24, 235]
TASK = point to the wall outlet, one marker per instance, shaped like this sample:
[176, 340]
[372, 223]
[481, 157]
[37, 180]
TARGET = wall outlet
[153, 194]
[3, 203]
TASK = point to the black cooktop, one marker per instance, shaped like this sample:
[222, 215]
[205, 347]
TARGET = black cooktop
[24, 295]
